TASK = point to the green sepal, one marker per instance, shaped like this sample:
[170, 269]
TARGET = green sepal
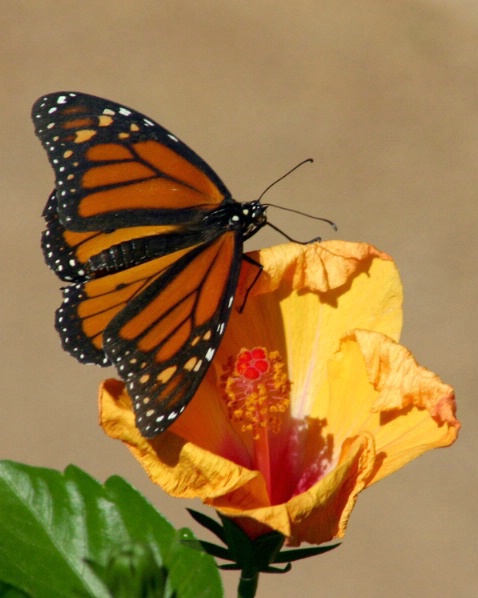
[246, 555]
[250, 555]
[285, 569]
[235, 567]
[297, 554]
[266, 548]
[206, 547]
[209, 523]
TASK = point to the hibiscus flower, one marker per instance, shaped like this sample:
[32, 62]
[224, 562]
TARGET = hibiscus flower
[309, 400]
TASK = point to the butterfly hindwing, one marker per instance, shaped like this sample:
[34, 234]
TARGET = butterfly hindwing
[78, 256]
[159, 323]
[61, 255]
[164, 349]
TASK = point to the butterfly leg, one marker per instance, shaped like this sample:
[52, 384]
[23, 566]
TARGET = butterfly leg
[259, 267]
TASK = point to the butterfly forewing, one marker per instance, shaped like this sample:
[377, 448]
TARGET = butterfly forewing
[116, 168]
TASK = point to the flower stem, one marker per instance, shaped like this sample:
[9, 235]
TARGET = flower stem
[248, 584]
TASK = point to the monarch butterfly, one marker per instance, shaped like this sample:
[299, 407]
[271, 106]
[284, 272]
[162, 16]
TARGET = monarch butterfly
[151, 241]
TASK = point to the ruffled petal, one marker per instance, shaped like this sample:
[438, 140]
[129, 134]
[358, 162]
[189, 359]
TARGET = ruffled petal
[319, 267]
[321, 513]
[180, 467]
[376, 386]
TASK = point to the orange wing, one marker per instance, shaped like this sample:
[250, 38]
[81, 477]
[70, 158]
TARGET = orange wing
[159, 323]
[117, 168]
[79, 256]
[152, 241]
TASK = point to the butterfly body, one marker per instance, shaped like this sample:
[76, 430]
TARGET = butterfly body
[151, 241]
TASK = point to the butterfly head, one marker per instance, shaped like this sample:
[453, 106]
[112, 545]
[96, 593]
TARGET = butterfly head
[251, 219]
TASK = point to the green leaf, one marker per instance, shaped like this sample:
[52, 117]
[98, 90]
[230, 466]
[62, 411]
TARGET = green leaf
[191, 574]
[53, 524]
[8, 591]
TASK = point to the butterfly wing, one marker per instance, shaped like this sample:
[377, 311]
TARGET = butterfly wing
[117, 168]
[152, 285]
[159, 323]
[79, 256]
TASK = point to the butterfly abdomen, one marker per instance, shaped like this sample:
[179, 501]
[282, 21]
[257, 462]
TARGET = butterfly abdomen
[244, 218]
[139, 250]
[119, 257]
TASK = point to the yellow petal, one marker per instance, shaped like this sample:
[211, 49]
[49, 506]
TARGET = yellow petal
[416, 409]
[352, 285]
[376, 386]
[180, 467]
[321, 513]
[319, 267]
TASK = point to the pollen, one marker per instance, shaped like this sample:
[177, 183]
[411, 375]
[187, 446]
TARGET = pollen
[256, 390]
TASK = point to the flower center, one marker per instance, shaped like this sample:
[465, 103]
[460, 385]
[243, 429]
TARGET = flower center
[256, 390]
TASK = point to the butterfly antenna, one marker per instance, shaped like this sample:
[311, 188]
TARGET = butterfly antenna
[283, 177]
[332, 224]
[289, 238]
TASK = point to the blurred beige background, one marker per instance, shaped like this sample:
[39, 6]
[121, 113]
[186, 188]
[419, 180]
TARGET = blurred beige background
[384, 96]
